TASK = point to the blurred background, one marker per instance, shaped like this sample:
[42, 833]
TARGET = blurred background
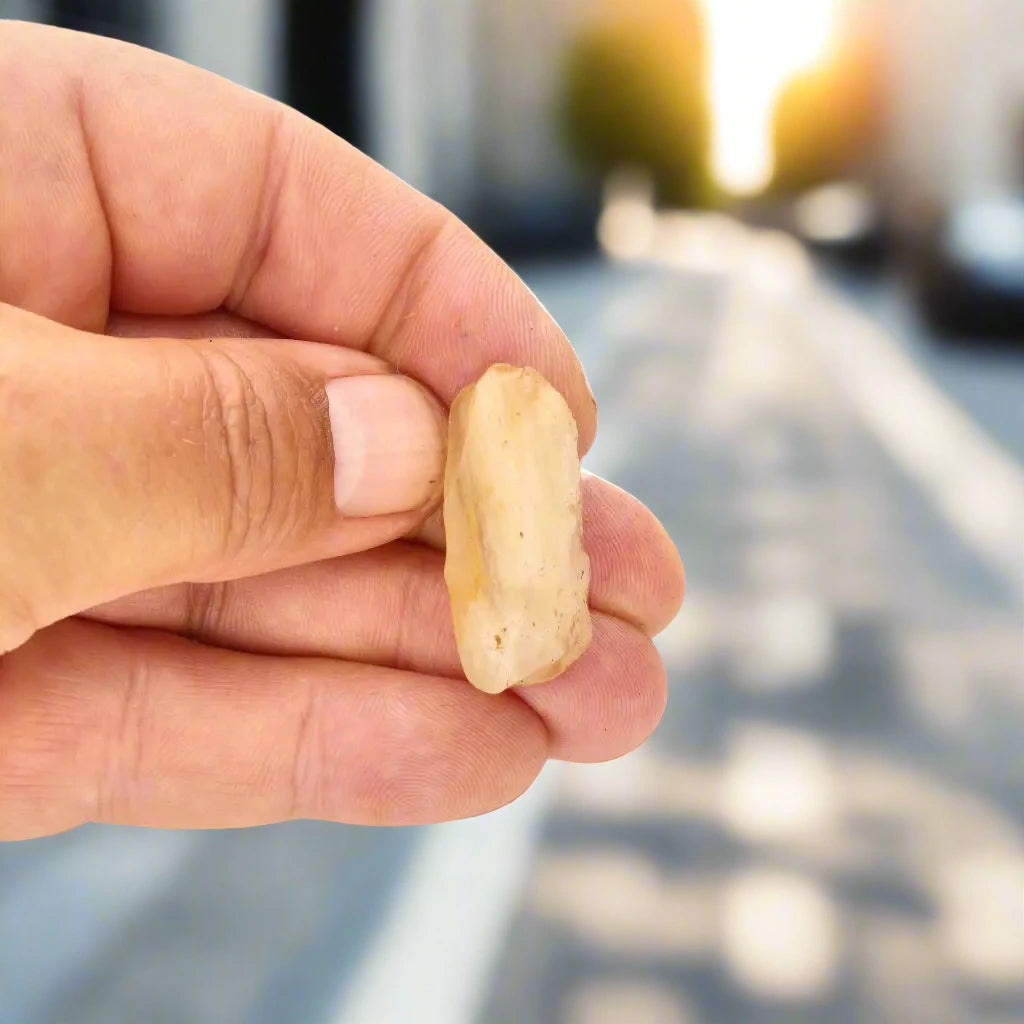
[787, 239]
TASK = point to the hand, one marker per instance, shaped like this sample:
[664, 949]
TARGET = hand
[209, 613]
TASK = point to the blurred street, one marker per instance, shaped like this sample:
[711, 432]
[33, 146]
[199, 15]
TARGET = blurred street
[828, 826]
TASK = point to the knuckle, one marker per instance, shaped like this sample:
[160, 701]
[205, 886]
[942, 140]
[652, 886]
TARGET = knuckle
[305, 792]
[256, 446]
[19, 619]
[233, 426]
[48, 721]
[205, 610]
[120, 773]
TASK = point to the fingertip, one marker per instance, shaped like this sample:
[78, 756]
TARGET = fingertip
[530, 754]
[608, 702]
[512, 747]
[670, 583]
[460, 309]
[445, 751]
[636, 571]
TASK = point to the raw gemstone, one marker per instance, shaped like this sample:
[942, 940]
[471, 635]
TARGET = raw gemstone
[515, 567]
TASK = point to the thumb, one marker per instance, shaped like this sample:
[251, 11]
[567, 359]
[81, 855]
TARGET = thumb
[132, 463]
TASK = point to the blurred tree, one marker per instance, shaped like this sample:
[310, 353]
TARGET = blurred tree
[634, 95]
[829, 120]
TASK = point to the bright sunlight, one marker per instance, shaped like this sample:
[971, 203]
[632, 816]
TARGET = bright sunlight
[756, 46]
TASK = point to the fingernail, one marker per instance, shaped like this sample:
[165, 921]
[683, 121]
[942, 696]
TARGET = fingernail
[389, 444]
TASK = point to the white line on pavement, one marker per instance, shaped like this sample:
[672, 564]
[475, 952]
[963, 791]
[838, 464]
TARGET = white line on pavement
[432, 959]
[974, 483]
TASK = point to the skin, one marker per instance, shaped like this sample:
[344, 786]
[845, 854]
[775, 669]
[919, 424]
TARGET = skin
[185, 645]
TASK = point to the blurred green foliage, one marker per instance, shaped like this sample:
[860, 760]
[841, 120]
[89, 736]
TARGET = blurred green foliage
[829, 120]
[634, 95]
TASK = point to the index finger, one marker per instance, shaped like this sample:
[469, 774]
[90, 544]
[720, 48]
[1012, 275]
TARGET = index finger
[132, 182]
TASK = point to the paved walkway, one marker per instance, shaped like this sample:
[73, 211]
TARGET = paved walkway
[829, 825]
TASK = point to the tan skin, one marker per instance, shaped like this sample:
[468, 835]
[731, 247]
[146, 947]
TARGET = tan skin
[190, 634]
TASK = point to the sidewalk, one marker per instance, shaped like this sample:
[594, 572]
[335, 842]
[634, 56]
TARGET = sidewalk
[829, 825]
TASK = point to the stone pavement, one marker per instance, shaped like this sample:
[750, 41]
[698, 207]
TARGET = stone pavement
[828, 827]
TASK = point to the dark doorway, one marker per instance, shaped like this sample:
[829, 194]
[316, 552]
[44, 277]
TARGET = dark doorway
[323, 72]
[121, 19]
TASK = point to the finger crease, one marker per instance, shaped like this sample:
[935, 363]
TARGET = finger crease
[124, 765]
[276, 160]
[79, 102]
[401, 302]
[304, 799]
[204, 604]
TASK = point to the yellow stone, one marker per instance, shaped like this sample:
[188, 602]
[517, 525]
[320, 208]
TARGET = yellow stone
[516, 571]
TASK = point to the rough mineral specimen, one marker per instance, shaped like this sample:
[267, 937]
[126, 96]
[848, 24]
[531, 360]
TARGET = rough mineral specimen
[515, 567]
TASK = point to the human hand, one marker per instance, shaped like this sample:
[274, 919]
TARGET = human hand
[211, 609]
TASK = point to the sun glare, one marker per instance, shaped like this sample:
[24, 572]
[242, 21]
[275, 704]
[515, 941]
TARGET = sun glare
[756, 46]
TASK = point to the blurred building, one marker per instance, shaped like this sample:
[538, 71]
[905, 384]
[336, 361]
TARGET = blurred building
[240, 39]
[957, 99]
[463, 104]
[462, 97]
